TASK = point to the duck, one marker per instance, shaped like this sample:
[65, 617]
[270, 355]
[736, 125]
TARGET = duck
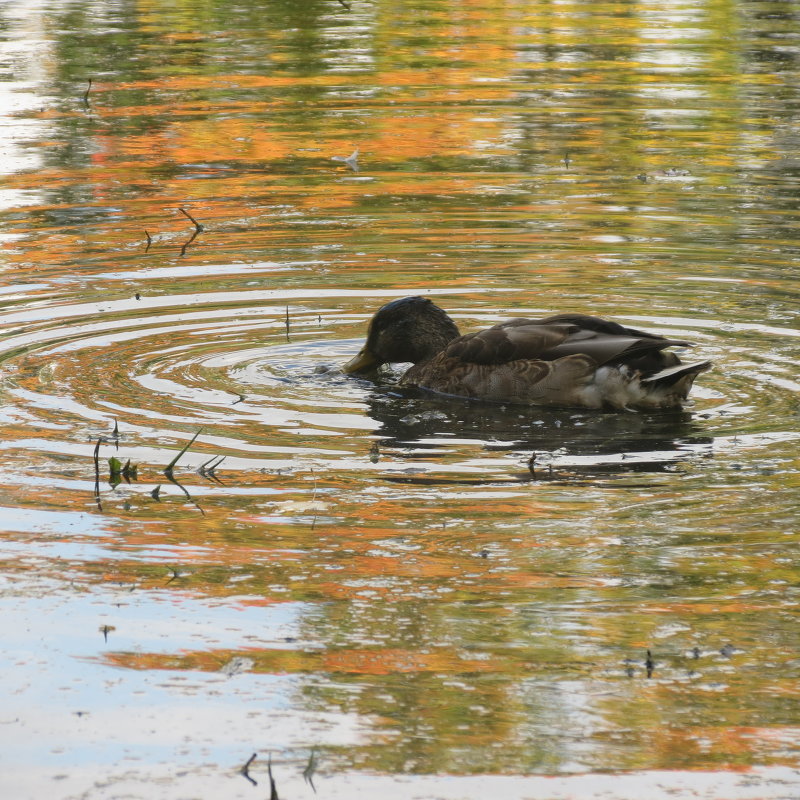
[568, 359]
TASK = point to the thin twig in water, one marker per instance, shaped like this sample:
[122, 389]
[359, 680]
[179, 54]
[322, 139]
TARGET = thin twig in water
[196, 224]
[311, 768]
[171, 478]
[273, 790]
[345, 4]
[86, 93]
[245, 770]
[194, 502]
[97, 476]
[212, 470]
[149, 241]
[197, 229]
[186, 244]
[208, 472]
[201, 470]
[287, 323]
[168, 469]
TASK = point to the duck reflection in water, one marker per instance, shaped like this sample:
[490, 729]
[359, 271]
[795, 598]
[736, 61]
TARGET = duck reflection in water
[566, 360]
[573, 443]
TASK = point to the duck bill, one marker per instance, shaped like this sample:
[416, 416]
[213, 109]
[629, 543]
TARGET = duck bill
[364, 360]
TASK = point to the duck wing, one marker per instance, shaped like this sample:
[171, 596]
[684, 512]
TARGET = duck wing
[556, 337]
[513, 340]
[589, 323]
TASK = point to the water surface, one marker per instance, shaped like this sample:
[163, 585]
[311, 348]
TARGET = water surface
[375, 576]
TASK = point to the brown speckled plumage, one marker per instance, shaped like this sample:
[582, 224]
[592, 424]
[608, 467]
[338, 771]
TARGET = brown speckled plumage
[562, 360]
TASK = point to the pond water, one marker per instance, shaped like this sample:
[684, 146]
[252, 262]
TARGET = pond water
[370, 587]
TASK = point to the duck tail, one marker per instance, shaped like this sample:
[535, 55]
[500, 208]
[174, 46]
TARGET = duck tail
[674, 382]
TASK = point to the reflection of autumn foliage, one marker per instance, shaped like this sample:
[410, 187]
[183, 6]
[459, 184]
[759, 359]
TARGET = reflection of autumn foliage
[356, 662]
[493, 622]
[385, 662]
[448, 92]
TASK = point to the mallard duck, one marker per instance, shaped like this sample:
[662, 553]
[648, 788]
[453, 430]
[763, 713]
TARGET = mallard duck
[562, 360]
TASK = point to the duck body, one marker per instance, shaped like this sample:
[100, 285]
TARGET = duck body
[562, 360]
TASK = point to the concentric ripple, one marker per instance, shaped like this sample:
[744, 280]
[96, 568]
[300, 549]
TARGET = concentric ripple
[257, 371]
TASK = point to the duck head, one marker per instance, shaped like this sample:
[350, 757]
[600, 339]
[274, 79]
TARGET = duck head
[410, 329]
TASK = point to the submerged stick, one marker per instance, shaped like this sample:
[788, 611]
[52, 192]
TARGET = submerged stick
[86, 93]
[311, 768]
[273, 790]
[171, 478]
[649, 664]
[189, 241]
[212, 470]
[209, 471]
[97, 475]
[196, 224]
[149, 241]
[168, 469]
[197, 229]
[245, 770]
